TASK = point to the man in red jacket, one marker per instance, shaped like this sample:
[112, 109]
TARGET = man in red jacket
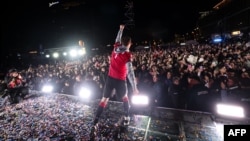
[16, 86]
[120, 68]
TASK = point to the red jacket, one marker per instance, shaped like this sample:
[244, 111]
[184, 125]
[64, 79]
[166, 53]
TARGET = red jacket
[119, 57]
[16, 82]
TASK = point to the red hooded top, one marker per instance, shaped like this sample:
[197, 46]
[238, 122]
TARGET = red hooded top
[119, 57]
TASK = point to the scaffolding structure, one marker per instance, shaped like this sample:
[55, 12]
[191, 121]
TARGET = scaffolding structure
[129, 14]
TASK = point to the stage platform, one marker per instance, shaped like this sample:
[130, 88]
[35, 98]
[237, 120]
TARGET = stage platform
[61, 117]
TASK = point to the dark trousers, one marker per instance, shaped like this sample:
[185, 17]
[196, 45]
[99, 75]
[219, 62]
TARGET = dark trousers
[120, 87]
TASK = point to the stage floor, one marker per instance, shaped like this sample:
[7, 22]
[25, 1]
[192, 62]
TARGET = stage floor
[63, 117]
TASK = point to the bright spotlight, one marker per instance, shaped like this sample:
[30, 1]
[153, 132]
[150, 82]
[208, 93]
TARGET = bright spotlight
[140, 100]
[47, 88]
[73, 53]
[55, 55]
[64, 53]
[82, 51]
[47, 55]
[85, 93]
[217, 40]
[230, 110]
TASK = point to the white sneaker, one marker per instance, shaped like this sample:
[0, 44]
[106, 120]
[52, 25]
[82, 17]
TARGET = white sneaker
[126, 121]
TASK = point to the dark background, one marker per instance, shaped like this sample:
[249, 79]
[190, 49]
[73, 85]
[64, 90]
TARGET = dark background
[28, 25]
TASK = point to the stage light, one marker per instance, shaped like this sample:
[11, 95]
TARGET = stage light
[85, 93]
[47, 88]
[217, 40]
[82, 52]
[64, 53]
[230, 110]
[140, 99]
[73, 53]
[55, 55]
[47, 55]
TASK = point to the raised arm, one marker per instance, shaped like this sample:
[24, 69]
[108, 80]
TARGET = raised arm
[119, 35]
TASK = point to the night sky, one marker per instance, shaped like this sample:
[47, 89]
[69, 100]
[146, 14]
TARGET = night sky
[29, 24]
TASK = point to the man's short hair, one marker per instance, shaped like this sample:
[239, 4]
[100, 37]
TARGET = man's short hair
[12, 70]
[126, 40]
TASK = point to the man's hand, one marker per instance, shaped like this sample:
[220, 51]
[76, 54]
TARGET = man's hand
[136, 91]
[122, 26]
[223, 85]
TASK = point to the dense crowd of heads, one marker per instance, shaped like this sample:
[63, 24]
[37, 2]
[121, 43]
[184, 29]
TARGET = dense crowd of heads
[211, 66]
[186, 77]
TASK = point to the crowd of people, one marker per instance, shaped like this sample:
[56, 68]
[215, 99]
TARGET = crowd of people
[179, 77]
[191, 77]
